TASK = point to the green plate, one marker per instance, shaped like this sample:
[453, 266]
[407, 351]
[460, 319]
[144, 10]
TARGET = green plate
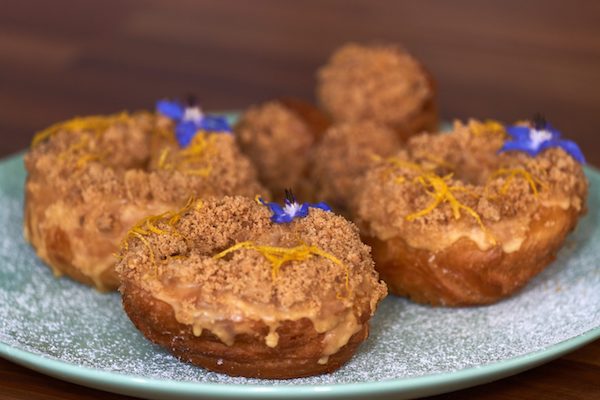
[71, 332]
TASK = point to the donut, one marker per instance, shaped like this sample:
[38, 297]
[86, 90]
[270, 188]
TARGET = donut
[90, 179]
[468, 217]
[251, 288]
[278, 136]
[344, 154]
[379, 82]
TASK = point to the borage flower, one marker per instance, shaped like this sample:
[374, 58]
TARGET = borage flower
[291, 208]
[190, 119]
[541, 136]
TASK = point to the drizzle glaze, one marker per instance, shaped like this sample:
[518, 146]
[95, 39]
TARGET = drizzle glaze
[504, 235]
[233, 316]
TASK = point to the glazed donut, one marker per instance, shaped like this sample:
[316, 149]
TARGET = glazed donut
[381, 82]
[278, 136]
[344, 154]
[90, 179]
[227, 286]
[469, 217]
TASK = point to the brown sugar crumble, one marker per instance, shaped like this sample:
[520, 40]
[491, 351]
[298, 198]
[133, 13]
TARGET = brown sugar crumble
[218, 280]
[278, 141]
[444, 183]
[186, 253]
[344, 154]
[380, 82]
[122, 166]
[90, 178]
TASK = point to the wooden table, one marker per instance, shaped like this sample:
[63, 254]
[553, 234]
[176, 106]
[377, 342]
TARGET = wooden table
[575, 376]
[503, 60]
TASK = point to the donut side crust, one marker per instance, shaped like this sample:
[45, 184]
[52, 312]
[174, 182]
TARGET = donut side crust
[462, 274]
[296, 355]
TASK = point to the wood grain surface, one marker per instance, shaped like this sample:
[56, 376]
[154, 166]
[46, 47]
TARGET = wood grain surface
[503, 60]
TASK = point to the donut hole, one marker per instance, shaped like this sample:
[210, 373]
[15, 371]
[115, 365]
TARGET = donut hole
[470, 159]
[379, 82]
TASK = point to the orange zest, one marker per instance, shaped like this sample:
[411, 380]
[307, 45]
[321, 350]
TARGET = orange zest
[93, 124]
[149, 226]
[438, 188]
[201, 147]
[478, 128]
[278, 256]
[511, 174]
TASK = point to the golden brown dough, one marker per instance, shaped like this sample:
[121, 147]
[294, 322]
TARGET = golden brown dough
[90, 179]
[279, 136]
[452, 222]
[379, 82]
[344, 154]
[221, 286]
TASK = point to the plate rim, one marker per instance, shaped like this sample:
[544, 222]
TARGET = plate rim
[423, 385]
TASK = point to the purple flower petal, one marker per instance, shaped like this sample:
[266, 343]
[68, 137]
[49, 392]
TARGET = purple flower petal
[275, 208]
[282, 218]
[213, 123]
[322, 205]
[572, 149]
[190, 120]
[170, 109]
[533, 142]
[185, 132]
[291, 210]
[303, 211]
[514, 145]
[518, 132]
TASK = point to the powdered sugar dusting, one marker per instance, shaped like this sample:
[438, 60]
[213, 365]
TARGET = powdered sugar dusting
[61, 319]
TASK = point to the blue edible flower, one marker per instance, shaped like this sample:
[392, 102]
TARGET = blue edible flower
[291, 208]
[541, 136]
[190, 119]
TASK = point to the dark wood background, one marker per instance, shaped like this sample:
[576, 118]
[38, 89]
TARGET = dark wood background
[498, 59]
[502, 59]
